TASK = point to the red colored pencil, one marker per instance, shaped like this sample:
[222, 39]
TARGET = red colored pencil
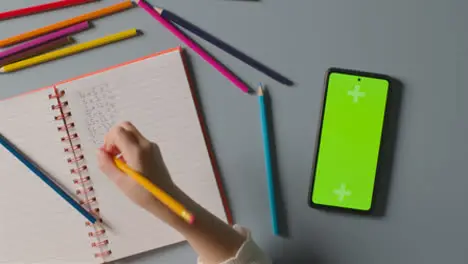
[41, 8]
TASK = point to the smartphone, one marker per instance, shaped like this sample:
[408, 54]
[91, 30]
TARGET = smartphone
[349, 140]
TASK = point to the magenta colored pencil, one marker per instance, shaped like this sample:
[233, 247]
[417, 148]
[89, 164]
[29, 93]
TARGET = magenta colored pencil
[208, 58]
[44, 39]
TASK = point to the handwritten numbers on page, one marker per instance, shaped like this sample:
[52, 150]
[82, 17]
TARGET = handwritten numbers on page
[99, 106]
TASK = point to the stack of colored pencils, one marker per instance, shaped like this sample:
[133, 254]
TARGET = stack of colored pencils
[43, 43]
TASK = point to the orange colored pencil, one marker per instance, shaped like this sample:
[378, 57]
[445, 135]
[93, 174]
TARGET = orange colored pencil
[66, 23]
[161, 195]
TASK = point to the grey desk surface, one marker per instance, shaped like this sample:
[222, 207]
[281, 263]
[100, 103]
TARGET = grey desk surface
[423, 43]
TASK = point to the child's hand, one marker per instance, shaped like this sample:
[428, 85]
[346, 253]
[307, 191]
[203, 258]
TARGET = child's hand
[141, 155]
[212, 239]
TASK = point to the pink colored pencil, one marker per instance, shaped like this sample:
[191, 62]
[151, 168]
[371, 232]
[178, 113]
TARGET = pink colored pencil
[208, 58]
[44, 39]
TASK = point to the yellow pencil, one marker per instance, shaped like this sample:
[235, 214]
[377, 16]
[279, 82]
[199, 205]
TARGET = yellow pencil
[69, 50]
[66, 23]
[161, 195]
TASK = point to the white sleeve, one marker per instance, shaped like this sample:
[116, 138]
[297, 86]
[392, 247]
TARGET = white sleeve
[249, 253]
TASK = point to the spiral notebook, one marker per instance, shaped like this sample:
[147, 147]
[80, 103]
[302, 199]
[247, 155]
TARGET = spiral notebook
[61, 127]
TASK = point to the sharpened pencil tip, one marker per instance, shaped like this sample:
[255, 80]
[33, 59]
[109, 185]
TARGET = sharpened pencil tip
[260, 90]
[158, 9]
[2, 70]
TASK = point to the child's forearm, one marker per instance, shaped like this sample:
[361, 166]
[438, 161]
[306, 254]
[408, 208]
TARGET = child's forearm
[213, 240]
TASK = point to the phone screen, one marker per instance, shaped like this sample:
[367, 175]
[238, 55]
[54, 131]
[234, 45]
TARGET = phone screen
[349, 141]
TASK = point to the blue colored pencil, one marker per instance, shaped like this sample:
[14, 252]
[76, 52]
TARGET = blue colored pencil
[31, 166]
[268, 165]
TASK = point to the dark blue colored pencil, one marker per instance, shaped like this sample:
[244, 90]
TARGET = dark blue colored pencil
[31, 166]
[169, 16]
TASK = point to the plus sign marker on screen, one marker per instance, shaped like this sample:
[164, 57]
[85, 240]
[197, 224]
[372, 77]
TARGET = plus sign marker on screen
[349, 143]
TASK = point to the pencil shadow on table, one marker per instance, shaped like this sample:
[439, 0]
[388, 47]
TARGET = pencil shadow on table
[229, 49]
[279, 197]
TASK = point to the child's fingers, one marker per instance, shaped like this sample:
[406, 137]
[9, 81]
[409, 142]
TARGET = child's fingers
[107, 166]
[125, 142]
[131, 128]
[111, 150]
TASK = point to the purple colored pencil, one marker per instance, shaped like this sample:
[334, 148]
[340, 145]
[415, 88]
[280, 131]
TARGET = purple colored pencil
[44, 39]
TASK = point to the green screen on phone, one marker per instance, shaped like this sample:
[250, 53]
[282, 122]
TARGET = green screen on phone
[350, 138]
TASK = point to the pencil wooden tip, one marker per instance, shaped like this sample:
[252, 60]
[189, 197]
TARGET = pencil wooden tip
[260, 90]
[2, 70]
[158, 9]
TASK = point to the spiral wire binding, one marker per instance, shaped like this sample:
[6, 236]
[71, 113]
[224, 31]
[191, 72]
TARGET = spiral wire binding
[84, 189]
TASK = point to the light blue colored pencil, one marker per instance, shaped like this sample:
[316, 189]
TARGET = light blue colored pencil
[33, 168]
[268, 165]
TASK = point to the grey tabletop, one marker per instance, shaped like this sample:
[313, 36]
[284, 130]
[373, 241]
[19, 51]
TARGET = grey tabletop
[422, 43]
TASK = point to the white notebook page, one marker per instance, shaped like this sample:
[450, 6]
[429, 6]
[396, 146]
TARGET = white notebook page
[36, 225]
[155, 95]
